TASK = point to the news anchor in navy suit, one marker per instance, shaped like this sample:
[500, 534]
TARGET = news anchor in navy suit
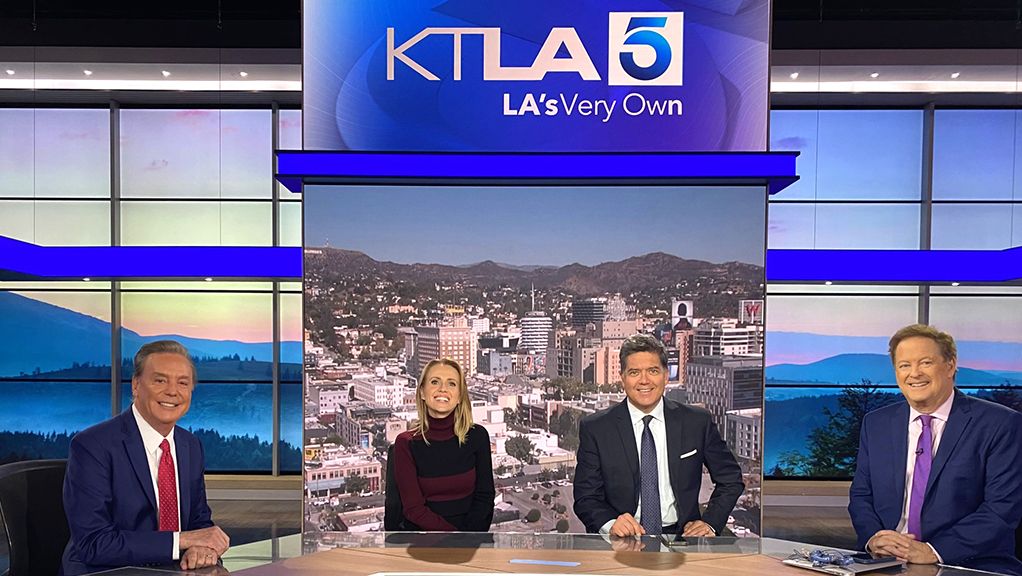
[967, 510]
[134, 492]
[608, 481]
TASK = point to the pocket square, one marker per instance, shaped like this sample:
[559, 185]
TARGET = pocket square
[687, 454]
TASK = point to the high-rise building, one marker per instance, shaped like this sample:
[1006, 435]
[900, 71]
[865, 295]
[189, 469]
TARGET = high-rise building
[727, 337]
[427, 348]
[743, 433]
[750, 311]
[588, 311]
[722, 383]
[537, 329]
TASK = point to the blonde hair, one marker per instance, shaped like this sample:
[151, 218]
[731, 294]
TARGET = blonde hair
[944, 341]
[462, 412]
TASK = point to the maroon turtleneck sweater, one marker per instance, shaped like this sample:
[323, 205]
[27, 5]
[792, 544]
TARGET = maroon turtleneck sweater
[445, 486]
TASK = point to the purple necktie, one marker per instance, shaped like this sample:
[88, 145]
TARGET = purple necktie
[924, 457]
[649, 482]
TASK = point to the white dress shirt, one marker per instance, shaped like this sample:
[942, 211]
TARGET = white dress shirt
[915, 427]
[657, 426]
[151, 440]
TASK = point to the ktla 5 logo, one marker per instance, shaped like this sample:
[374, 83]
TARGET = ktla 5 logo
[644, 48]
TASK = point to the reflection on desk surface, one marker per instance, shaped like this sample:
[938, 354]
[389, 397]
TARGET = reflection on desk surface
[439, 554]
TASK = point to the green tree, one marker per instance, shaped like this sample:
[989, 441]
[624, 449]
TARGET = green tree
[562, 526]
[834, 446]
[532, 516]
[356, 483]
[520, 447]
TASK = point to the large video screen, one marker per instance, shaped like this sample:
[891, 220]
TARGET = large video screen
[532, 289]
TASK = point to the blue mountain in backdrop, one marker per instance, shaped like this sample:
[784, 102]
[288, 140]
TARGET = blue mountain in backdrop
[852, 368]
[44, 337]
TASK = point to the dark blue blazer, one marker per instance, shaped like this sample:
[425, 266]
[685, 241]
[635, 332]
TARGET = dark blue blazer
[973, 498]
[110, 502]
[607, 469]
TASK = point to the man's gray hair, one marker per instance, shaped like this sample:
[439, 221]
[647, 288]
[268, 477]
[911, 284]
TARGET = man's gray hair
[642, 343]
[160, 347]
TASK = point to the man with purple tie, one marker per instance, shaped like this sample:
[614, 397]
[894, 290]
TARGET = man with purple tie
[938, 477]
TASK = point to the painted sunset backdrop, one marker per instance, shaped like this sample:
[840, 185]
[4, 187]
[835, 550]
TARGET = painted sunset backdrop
[55, 380]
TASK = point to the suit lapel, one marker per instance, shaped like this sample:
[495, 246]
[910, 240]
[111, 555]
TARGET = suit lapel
[898, 432]
[673, 425]
[627, 436]
[183, 466]
[956, 424]
[137, 456]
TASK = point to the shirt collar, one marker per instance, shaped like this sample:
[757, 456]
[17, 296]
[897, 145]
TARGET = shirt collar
[151, 439]
[941, 413]
[636, 415]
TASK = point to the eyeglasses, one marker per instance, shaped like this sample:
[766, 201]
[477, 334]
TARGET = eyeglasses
[822, 557]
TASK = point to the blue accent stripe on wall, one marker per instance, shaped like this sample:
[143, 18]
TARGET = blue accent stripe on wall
[139, 262]
[892, 266]
[776, 169]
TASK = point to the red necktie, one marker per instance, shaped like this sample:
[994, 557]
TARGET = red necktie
[167, 483]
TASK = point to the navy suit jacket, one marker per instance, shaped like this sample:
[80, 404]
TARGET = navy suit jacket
[110, 502]
[607, 467]
[973, 498]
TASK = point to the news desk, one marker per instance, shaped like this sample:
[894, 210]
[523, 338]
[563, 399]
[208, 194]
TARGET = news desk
[439, 554]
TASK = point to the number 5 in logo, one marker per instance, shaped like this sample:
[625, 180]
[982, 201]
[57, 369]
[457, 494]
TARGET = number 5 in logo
[645, 49]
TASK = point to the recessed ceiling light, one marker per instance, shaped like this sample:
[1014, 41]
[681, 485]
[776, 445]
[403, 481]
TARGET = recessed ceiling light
[956, 74]
[86, 279]
[955, 283]
[10, 72]
[243, 74]
[874, 75]
[793, 75]
[87, 72]
[209, 279]
[828, 282]
[165, 73]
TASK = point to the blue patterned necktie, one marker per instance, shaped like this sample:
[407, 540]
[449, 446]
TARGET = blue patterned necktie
[649, 482]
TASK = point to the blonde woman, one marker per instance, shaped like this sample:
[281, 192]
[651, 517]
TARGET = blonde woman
[442, 467]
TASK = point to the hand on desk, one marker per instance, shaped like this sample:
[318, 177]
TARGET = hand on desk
[697, 528]
[626, 525]
[212, 537]
[901, 546]
[198, 557]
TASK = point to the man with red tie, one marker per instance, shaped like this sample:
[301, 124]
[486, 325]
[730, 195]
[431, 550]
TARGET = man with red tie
[134, 491]
[937, 477]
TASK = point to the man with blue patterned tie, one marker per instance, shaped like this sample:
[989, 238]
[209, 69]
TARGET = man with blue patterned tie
[640, 463]
[937, 477]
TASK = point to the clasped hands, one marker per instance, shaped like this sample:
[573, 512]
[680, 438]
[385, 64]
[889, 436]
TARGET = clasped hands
[902, 546]
[203, 547]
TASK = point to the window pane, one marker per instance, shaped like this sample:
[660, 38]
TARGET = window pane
[290, 224]
[973, 226]
[289, 138]
[72, 152]
[230, 336]
[844, 226]
[65, 223]
[870, 154]
[170, 153]
[791, 225]
[246, 147]
[38, 417]
[291, 382]
[17, 152]
[796, 130]
[867, 226]
[17, 219]
[59, 334]
[974, 154]
[988, 331]
[807, 336]
[196, 223]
